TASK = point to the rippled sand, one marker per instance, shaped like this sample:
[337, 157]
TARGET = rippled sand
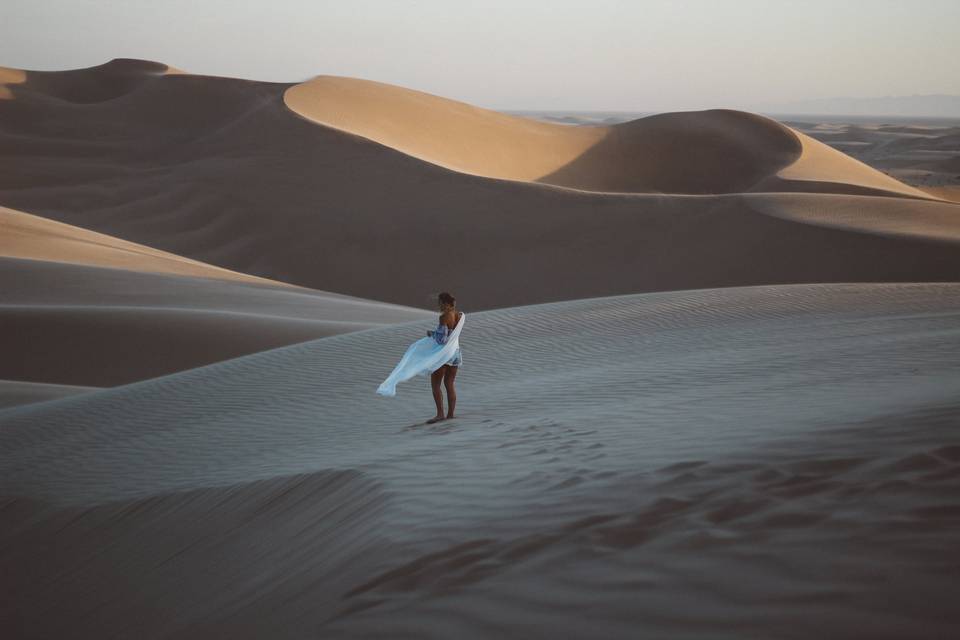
[191, 446]
[754, 462]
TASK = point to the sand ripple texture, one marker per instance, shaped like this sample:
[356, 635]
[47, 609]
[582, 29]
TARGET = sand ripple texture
[777, 462]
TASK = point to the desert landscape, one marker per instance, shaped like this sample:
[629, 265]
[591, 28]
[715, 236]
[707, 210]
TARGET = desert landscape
[710, 383]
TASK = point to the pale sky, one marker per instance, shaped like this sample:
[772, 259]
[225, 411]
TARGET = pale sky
[551, 54]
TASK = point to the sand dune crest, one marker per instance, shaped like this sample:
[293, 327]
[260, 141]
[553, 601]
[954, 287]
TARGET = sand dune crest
[222, 171]
[702, 152]
[23, 235]
[90, 85]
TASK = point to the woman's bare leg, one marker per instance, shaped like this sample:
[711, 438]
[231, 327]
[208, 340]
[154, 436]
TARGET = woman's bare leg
[435, 379]
[448, 379]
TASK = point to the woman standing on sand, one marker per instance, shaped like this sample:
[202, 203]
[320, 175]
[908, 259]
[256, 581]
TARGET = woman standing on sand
[438, 354]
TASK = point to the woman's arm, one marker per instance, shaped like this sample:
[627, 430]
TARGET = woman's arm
[442, 332]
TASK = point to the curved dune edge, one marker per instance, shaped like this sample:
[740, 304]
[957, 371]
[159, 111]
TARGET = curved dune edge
[569, 244]
[106, 326]
[927, 219]
[667, 153]
[448, 133]
[23, 235]
[10, 76]
[629, 157]
[714, 151]
[85, 85]
[819, 162]
[949, 193]
[14, 393]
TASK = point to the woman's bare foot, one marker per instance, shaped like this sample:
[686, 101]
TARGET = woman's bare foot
[449, 416]
[435, 419]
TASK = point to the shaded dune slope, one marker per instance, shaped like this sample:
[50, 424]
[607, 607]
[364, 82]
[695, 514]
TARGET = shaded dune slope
[221, 171]
[99, 83]
[105, 327]
[801, 435]
[935, 221]
[109, 312]
[31, 237]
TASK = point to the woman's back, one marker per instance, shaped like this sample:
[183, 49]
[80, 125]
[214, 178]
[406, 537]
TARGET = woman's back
[450, 319]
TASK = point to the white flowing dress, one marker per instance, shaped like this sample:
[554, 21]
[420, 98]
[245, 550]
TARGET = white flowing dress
[422, 358]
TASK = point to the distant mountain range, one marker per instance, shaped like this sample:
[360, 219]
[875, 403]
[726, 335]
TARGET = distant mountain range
[934, 106]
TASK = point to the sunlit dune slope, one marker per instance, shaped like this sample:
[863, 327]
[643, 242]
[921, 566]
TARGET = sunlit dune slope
[819, 164]
[715, 151]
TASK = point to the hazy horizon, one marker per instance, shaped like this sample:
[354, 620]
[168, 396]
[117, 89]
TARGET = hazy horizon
[617, 56]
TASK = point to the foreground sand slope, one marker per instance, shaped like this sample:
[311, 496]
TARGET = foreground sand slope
[222, 171]
[739, 461]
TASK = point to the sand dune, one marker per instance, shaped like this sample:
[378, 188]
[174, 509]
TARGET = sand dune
[99, 83]
[705, 152]
[728, 462]
[820, 163]
[26, 236]
[109, 312]
[16, 392]
[10, 76]
[935, 221]
[105, 327]
[717, 151]
[187, 450]
[951, 193]
[222, 171]
[925, 155]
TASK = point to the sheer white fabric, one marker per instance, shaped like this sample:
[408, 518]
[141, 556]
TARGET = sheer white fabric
[421, 358]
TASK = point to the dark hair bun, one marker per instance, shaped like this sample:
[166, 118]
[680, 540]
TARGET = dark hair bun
[446, 298]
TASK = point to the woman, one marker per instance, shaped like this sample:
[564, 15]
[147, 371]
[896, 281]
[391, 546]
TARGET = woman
[447, 373]
[438, 354]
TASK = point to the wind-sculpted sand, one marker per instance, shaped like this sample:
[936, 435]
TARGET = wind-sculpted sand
[81, 325]
[225, 172]
[35, 238]
[818, 163]
[924, 153]
[734, 150]
[715, 151]
[83, 308]
[753, 462]
[191, 447]
[18, 392]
